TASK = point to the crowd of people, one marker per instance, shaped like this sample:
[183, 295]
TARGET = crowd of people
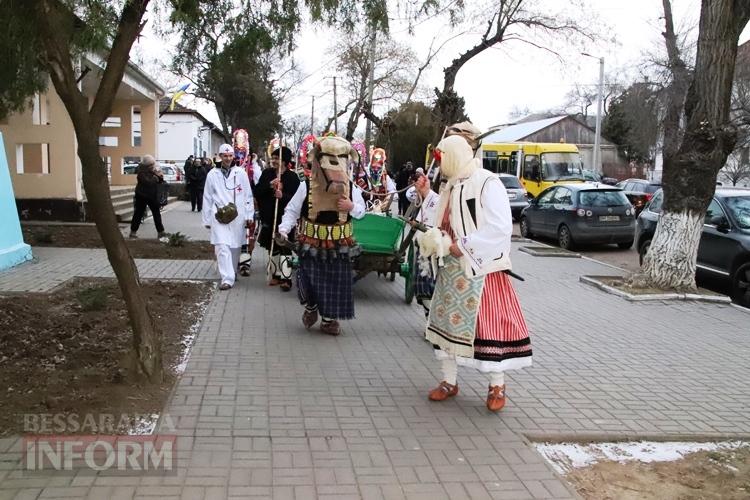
[473, 317]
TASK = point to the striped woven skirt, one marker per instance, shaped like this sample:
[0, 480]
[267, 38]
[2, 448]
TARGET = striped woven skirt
[478, 320]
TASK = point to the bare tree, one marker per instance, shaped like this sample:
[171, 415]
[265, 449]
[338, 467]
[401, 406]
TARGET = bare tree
[737, 169]
[692, 160]
[509, 20]
[393, 80]
[581, 97]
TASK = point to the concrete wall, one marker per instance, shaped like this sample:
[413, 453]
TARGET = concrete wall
[13, 250]
[123, 109]
[56, 130]
[178, 133]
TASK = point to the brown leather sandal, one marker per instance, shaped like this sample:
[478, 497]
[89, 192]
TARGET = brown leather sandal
[443, 391]
[496, 397]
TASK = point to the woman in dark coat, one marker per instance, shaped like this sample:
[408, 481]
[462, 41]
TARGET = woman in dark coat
[268, 189]
[147, 195]
[196, 181]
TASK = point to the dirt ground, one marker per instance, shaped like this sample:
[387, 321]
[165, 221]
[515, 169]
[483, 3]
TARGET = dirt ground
[68, 352]
[87, 237]
[705, 475]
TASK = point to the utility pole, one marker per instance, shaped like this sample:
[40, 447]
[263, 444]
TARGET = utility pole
[312, 117]
[370, 88]
[335, 109]
[599, 111]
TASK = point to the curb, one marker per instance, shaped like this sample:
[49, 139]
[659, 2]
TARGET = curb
[591, 280]
[539, 251]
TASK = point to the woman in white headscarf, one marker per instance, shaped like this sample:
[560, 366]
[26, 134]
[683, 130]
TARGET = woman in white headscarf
[475, 319]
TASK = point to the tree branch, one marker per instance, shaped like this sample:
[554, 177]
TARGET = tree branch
[128, 29]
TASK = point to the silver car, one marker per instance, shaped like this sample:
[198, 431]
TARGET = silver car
[172, 173]
[516, 194]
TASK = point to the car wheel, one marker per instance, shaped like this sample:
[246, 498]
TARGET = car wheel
[525, 231]
[564, 238]
[642, 252]
[741, 285]
[625, 245]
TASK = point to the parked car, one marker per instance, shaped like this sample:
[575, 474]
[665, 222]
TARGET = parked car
[516, 194]
[639, 192]
[130, 169]
[581, 213]
[724, 248]
[594, 176]
[172, 173]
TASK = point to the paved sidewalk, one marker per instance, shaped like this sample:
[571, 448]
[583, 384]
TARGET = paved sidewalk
[267, 409]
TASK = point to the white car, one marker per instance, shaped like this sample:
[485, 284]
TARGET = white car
[172, 173]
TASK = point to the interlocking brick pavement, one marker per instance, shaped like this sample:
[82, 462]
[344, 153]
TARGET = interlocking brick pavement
[267, 409]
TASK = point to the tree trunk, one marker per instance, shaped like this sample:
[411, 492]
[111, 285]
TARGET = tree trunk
[54, 21]
[690, 173]
[146, 337]
[670, 261]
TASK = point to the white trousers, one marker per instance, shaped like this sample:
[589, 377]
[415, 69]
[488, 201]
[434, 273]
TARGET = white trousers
[227, 259]
[450, 372]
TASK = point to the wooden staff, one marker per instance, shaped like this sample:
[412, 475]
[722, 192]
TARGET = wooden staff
[269, 275]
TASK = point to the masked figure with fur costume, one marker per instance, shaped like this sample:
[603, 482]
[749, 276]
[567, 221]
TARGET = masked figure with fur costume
[322, 210]
[276, 183]
[475, 319]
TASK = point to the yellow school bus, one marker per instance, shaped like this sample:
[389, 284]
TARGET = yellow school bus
[537, 165]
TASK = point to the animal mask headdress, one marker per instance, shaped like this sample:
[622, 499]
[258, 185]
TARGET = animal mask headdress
[468, 131]
[330, 174]
[305, 146]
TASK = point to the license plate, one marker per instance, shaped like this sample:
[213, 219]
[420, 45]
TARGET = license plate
[512, 196]
[609, 218]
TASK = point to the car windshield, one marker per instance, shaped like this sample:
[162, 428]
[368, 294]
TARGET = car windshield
[652, 188]
[739, 207]
[510, 182]
[562, 166]
[601, 198]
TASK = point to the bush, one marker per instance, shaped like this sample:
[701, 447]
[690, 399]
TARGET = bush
[177, 239]
[93, 298]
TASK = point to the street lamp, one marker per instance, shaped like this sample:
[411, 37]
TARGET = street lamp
[599, 105]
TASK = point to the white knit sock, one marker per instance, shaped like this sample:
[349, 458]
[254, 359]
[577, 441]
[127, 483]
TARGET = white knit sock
[450, 370]
[497, 378]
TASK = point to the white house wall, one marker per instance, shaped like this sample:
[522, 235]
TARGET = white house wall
[179, 137]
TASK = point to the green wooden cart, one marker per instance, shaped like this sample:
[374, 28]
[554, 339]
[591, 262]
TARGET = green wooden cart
[387, 248]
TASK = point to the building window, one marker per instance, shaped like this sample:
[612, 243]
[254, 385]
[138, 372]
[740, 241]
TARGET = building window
[39, 107]
[107, 160]
[135, 120]
[108, 141]
[112, 121]
[32, 158]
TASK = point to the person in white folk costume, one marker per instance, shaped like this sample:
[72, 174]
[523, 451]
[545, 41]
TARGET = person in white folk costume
[475, 319]
[227, 186]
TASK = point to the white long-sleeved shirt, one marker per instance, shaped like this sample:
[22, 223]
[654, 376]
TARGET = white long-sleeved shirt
[218, 192]
[293, 209]
[428, 210]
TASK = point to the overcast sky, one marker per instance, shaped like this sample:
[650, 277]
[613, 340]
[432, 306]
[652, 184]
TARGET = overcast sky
[515, 76]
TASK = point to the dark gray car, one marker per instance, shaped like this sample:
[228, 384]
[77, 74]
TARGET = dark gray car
[516, 194]
[581, 213]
